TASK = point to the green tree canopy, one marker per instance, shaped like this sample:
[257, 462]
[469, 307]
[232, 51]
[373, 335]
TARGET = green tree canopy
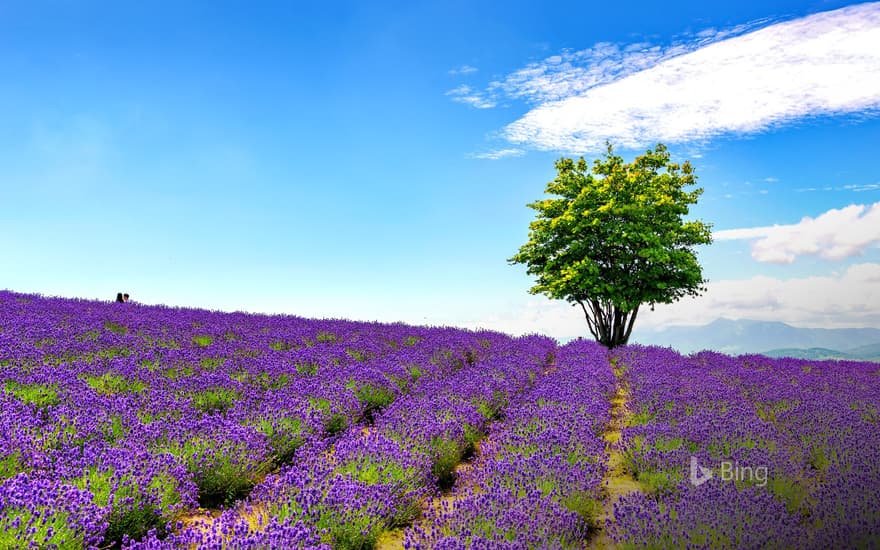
[613, 237]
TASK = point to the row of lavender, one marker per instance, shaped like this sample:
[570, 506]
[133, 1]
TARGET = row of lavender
[750, 452]
[345, 493]
[539, 480]
[116, 419]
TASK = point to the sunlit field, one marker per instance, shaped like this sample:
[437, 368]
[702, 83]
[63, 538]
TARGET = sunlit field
[150, 427]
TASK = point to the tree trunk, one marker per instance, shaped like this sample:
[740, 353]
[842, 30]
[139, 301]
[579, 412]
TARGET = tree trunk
[610, 326]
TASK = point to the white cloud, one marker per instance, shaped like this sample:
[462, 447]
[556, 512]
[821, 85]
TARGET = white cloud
[833, 235]
[498, 154]
[743, 80]
[536, 316]
[849, 299]
[857, 188]
[862, 187]
[467, 95]
[464, 69]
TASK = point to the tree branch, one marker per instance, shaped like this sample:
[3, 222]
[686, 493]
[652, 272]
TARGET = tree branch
[590, 324]
[632, 321]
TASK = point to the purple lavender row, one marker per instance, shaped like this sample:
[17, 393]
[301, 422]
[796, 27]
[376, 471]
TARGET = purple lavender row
[538, 482]
[750, 452]
[347, 494]
[151, 410]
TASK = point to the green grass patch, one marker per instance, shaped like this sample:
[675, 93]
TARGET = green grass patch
[334, 422]
[415, 372]
[202, 341]
[132, 510]
[410, 341]
[22, 529]
[769, 411]
[88, 336]
[43, 342]
[41, 396]
[659, 482]
[373, 470]
[114, 430]
[239, 375]
[373, 397]
[281, 345]
[640, 418]
[491, 409]
[584, 504]
[223, 473]
[116, 328]
[10, 465]
[111, 383]
[285, 434]
[819, 457]
[325, 337]
[214, 400]
[269, 381]
[358, 355]
[212, 363]
[151, 365]
[307, 368]
[789, 491]
[178, 371]
[668, 443]
[113, 352]
[445, 456]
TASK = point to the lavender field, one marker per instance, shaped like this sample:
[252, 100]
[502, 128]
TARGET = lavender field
[128, 426]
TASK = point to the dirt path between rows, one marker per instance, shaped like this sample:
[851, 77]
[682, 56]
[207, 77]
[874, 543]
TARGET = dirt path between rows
[393, 539]
[619, 481]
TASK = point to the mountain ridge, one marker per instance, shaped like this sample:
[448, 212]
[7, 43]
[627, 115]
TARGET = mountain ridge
[767, 337]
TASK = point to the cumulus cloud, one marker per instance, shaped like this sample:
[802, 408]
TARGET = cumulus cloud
[737, 81]
[833, 235]
[836, 300]
[469, 96]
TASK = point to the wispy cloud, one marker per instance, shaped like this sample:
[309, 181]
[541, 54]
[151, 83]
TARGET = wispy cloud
[834, 235]
[497, 154]
[737, 81]
[572, 73]
[862, 187]
[856, 187]
[467, 95]
[464, 69]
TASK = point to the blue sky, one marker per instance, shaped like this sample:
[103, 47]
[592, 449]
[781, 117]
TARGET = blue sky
[373, 160]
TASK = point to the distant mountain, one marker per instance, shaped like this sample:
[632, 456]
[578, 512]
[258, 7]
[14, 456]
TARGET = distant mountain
[871, 351]
[745, 336]
[817, 354]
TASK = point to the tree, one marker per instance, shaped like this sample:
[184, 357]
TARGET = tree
[613, 237]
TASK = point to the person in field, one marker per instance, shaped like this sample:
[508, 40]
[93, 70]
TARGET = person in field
[125, 297]
[119, 297]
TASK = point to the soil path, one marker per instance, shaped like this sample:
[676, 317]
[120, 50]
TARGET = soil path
[619, 481]
[393, 539]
